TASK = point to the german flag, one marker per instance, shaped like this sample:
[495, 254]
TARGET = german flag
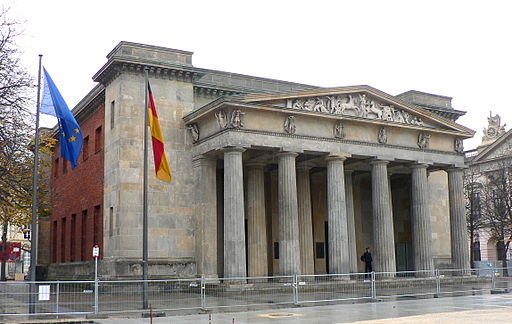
[163, 171]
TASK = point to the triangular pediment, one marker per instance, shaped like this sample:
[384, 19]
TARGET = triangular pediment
[360, 102]
[502, 147]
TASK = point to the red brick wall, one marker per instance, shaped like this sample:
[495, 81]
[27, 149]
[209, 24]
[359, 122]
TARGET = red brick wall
[78, 192]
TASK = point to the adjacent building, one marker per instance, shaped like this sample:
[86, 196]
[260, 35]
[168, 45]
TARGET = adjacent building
[269, 177]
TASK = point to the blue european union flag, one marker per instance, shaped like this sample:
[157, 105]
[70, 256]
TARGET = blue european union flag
[71, 138]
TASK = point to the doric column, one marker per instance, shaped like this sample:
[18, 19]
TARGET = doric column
[421, 227]
[307, 260]
[351, 226]
[256, 222]
[234, 227]
[289, 250]
[458, 227]
[383, 235]
[337, 216]
[206, 198]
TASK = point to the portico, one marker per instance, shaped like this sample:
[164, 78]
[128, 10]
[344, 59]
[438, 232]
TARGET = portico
[311, 178]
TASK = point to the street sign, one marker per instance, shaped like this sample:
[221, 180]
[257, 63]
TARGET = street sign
[95, 251]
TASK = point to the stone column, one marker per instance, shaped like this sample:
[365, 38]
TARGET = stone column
[307, 260]
[206, 198]
[234, 219]
[337, 216]
[351, 226]
[289, 249]
[421, 227]
[458, 227]
[256, 222]
[383, 234]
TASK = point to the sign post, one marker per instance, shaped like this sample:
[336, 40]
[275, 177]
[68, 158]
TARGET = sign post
[95, 255]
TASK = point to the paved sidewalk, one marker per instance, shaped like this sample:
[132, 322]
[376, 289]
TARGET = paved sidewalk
[453, 310]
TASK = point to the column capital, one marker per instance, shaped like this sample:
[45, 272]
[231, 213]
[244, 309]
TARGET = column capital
[378, 161]
[348, 172]
[455, 169]
[418, 166]
[231, 149]
[287, 153]
[303, 167]
[202, 159]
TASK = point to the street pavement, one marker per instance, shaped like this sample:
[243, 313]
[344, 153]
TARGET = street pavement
[452, 310]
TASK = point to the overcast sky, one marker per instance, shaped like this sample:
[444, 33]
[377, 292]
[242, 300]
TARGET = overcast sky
[461, 49]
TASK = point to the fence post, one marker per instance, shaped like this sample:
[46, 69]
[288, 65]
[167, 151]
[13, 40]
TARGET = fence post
[96, 299]
[374, 289]
[203, 293]
[438, 283]
[493, 279]
[58, 297]
[295, 290]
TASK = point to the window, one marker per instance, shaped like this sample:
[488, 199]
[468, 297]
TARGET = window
[73, 237]
[276, 250]
[111, 222]
[97, 225]
[56, 168]
[54, 242]
[85, 149]
[63, 240]
[83, 236]
[97, 140]
[112, 113]
[64, 166]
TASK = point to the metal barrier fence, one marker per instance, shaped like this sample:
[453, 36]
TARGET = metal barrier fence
[79, 298]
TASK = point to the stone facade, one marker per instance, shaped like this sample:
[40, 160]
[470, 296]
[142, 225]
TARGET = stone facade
[271, 177]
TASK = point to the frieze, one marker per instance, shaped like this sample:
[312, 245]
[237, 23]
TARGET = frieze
[357, 106]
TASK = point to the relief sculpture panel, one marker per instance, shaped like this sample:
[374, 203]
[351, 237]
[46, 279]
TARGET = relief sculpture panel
[358, 106]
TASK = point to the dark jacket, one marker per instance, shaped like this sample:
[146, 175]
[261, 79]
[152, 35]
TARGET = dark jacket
[367, 257]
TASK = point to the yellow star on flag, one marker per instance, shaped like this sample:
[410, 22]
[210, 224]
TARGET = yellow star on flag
[77, 130]
[71, 139]
[63, 134]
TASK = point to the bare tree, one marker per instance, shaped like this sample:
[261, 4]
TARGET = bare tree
[16, 90]
[496, 203]
[474, 219]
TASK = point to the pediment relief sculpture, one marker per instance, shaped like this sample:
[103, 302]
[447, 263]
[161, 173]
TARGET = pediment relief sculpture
[382, 135]
[423, 140]
[339, 130]
[289, 125]
[194, 130]
[357, 106]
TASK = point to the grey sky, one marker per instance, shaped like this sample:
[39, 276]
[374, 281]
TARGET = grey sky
[460, 49]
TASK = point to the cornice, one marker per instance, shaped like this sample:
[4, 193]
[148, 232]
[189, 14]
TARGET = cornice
[157, 69]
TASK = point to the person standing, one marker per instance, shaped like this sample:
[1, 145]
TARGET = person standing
[367, 259]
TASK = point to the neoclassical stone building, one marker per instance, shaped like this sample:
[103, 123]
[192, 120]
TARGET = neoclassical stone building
[273, 177]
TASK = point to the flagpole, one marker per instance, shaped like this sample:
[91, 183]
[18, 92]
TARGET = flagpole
[145, 199]
[35, 184]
